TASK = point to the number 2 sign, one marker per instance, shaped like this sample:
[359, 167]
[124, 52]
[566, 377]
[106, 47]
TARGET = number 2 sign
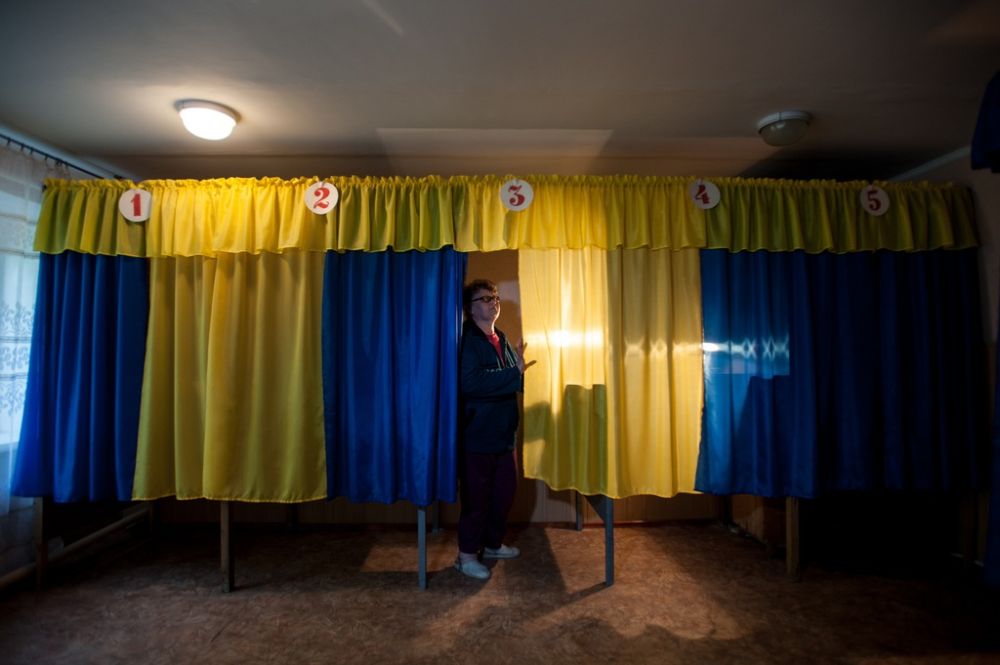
[516, 195]
[874, 200]
[321, 197]
[135, 204]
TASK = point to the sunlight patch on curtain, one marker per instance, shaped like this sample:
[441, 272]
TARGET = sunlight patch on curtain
[613, 406]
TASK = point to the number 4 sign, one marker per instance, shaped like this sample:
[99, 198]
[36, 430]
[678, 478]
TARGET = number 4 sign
[874, 200]
[135, 204]
[704, 194]
[516, 195]
[321, 197]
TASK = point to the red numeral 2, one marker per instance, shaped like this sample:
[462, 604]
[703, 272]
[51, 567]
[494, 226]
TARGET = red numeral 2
[322, 194]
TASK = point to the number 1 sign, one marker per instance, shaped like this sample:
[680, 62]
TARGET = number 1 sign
[135, 204]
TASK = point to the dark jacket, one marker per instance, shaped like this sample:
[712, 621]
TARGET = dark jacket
[489, 390]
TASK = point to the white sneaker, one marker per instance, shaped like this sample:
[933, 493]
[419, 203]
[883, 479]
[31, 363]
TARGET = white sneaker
[502, 552]
[472, 569]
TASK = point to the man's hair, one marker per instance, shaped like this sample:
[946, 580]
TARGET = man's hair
[471, 289]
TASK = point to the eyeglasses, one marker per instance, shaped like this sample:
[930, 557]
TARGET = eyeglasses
[488, 299]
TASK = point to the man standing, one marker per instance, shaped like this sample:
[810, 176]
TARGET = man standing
[491, 376]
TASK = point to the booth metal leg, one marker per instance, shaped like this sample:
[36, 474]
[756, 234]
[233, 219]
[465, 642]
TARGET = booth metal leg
[422, 546]
[579, 511]
[292, 516]
[225, 546]
[793, 563]
[436, 523]
[41, 538]
[605, 507]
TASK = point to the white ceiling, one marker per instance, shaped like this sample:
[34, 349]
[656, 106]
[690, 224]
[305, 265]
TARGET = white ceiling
[415, 87]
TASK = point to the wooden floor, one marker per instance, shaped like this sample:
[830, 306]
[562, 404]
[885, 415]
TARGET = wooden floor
[687, 593]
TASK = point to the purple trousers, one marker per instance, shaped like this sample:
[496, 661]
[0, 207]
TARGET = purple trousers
[488, 482]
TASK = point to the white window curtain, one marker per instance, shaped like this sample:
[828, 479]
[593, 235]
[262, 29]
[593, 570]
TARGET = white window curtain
[22, 174]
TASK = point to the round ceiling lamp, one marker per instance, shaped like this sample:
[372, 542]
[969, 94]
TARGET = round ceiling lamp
[207, 120]
[783, 128]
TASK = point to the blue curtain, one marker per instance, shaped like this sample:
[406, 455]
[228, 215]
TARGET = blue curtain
[391, 326]
[81, 412]
[830, 372]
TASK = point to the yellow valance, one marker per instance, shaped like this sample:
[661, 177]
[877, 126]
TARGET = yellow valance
[784, 215]
[246, 215]
[241, 215]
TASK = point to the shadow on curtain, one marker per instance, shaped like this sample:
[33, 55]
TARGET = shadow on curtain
[81, 413]
[829, 372]
[391, 327]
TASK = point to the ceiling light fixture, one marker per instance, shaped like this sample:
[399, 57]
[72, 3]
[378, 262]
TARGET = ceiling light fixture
[207, 120]
[784, 127]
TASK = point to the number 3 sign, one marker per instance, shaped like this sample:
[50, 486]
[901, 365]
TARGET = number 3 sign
[135, 204]
[321, 197]
[516, 195]
[874, 200]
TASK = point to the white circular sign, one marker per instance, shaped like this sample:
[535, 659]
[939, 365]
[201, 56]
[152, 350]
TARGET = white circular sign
[704, 194]
[516, 194]
[321, 197]
[874, 200]
[135, 204]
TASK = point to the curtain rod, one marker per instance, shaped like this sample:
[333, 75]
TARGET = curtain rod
[55, 158]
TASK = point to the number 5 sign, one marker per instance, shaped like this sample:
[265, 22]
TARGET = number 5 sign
[135, 204]
[516, 195]
[874, 200]
[321, 197]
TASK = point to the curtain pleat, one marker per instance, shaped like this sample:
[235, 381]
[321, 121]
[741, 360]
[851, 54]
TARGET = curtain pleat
[613, 406]
[78, 435]
[391, 326]
[232, 395]
[841, 372]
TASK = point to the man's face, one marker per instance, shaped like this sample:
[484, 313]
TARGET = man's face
[485, 306]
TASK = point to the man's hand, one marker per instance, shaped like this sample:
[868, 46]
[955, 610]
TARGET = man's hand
[519, 349]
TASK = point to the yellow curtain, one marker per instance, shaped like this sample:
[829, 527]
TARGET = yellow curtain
[234, 215]
[614, 404]
[232, 399]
